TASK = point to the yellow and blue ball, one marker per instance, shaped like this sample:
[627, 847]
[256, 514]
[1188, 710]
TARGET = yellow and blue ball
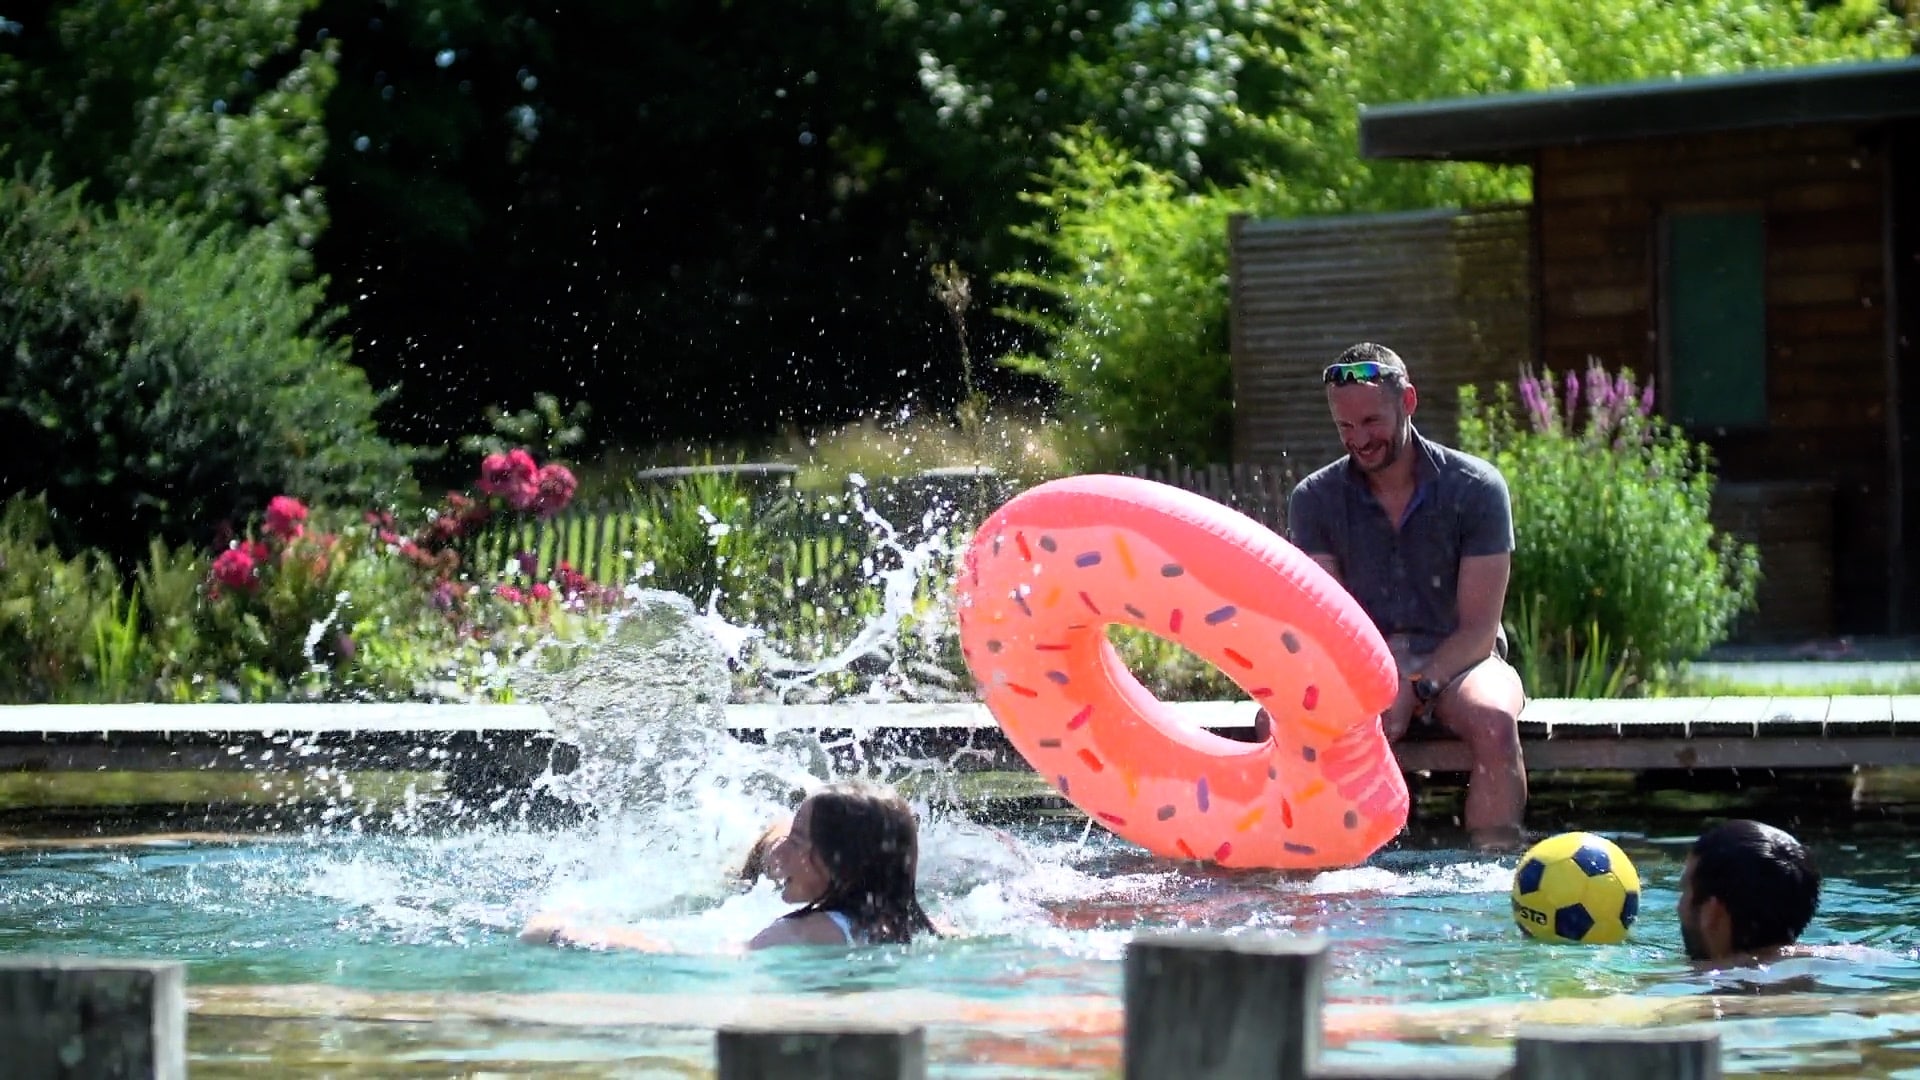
[1576, 888]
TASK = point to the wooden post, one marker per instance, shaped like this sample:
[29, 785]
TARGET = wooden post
[1594, 1053]
[1202, 1005]
[84, 1019]
[822, 1052]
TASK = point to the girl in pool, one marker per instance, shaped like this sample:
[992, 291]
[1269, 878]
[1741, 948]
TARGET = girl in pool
[850, 859]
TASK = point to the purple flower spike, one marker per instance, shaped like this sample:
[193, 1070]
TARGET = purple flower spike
[1599, 389]
[1646, 399]
[1530, 398]
[1573, 394]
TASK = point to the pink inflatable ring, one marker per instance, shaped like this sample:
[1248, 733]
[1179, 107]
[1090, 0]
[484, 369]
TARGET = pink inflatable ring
[1046, 574]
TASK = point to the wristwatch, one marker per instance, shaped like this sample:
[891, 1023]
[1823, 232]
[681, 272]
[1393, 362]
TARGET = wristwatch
[1425, 689]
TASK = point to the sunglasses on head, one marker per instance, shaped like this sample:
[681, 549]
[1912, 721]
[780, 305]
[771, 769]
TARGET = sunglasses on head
[1359, 371]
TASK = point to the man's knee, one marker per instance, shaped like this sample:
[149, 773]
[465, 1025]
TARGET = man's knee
[1488, 727]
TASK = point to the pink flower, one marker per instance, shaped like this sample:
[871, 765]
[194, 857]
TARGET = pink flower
[238, 567]
[542, 592]
[510, 593]
[510, 475]
[284, 517]
[553, 489]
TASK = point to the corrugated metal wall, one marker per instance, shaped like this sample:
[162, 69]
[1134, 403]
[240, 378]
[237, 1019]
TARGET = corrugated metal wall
[1451, 292]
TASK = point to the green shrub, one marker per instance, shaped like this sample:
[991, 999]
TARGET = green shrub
[157, 384]
[1616, 557]
[62, 619]
[1134, 306]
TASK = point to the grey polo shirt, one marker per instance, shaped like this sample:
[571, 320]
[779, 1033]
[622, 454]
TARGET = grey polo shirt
[1407, 580]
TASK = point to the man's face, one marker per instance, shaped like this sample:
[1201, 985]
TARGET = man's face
[1373, 422]
[1693, 936]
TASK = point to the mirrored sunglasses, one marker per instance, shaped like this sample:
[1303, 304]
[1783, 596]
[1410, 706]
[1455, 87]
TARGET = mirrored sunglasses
[1359, 371]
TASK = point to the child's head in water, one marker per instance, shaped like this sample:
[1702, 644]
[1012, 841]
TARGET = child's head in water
[855, 850]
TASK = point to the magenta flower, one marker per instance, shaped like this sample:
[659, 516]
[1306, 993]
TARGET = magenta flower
[285, 516]
[508, 474]
[238, 567]
[554, 486]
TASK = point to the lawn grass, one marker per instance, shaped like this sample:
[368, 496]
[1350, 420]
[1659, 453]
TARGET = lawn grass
[1023, 445]
[1840, 686]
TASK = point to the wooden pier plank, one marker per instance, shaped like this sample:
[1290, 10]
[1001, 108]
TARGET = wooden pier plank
[1731, 717]
[1559, 734]
[1860, 714]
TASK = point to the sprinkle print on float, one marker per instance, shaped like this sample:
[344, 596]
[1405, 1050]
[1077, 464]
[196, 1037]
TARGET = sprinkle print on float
[1047, 573]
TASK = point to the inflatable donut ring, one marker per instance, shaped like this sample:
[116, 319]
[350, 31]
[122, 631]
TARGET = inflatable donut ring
[1046, 574]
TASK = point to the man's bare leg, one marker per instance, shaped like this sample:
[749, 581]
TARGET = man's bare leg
[1482, 709]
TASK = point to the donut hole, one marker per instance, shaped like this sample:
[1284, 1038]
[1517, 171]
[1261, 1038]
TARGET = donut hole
[1169, 670]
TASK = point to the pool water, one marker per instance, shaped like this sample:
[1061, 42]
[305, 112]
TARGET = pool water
[346, 952]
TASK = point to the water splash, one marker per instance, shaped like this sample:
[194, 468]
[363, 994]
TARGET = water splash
[905, 560]
[669, 801]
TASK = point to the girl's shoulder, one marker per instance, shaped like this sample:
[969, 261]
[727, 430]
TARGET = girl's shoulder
[813, 928]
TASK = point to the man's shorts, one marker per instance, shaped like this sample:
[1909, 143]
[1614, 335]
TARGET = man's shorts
[1409, 663]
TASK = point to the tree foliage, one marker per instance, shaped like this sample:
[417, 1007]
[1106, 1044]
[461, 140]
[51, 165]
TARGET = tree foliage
[1109, 334]
[160, 382]
[1149, 248]
[209, 108]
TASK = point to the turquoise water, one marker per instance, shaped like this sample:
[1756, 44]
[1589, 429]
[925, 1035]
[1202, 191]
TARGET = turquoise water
[328, 948]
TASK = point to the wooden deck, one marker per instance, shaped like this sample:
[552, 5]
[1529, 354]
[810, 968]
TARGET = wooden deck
[485, 747]
[480, 748]
[1558, 734]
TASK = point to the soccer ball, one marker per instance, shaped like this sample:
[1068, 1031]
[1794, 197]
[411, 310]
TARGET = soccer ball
[1576, 888]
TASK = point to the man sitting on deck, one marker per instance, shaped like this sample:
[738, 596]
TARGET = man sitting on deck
[1422, 536]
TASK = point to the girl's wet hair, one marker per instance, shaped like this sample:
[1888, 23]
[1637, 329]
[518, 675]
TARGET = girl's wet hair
[868, 841]
[755, 866]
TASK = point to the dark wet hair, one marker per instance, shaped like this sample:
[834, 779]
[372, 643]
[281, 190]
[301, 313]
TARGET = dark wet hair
[755, 865]
[1765, 878]
[869, 843]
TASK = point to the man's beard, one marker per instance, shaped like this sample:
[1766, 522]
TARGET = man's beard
[1395, 443]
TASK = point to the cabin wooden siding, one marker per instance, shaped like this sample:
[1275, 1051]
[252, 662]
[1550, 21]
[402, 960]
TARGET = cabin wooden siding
[1447, 290]
[1821, 190]
[1903, 327]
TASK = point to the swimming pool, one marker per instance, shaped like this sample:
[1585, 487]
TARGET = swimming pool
[342, 951]
[384, 944]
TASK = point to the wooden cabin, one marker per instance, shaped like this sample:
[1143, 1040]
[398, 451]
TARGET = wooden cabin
[1754, 241]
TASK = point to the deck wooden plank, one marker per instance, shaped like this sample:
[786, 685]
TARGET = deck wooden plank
[1794, 717]
[1656, 718]
[1687, 733]
[1730, 717]
[1860, 714]
[1906, 716]
[281, 716]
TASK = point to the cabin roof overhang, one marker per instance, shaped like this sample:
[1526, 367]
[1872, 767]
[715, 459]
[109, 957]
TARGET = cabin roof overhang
[1509, 128]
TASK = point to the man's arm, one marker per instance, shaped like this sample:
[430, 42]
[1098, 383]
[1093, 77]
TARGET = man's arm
[1482, 594]
[1307, 529]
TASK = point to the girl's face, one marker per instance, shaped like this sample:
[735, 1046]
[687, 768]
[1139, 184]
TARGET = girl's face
[794, 863]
